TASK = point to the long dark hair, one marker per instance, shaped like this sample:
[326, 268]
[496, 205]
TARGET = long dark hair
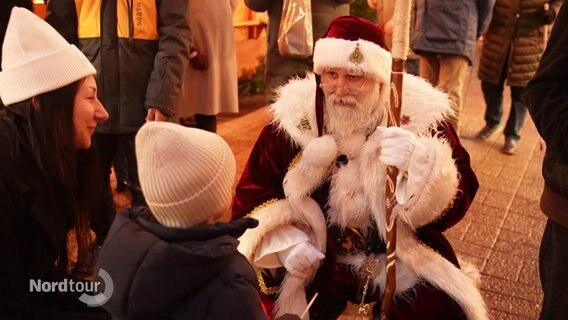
[51, 135]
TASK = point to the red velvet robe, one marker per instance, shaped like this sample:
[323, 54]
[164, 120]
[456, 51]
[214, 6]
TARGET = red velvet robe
[262, 181]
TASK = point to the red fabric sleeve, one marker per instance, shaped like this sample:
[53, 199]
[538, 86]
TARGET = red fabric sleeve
[467, 186]
[431, 233]
[264, 172]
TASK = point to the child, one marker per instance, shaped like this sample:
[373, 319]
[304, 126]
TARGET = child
[168, 261]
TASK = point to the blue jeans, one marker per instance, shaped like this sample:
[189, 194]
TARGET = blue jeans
[553, 269]
[493, 95]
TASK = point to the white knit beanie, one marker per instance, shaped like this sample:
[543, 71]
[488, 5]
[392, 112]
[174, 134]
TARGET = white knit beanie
[186, 174]
[36, 59]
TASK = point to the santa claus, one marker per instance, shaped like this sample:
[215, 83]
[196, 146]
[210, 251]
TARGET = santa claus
[315, 180]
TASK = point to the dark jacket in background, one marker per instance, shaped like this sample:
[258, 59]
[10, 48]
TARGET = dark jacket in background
[173, 273]
[280, 69]
[34, 222]
[450, 27]
[516, 38]
[547, 101]
[139, 48]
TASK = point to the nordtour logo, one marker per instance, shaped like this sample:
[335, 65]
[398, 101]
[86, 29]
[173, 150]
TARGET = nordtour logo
[91, 295]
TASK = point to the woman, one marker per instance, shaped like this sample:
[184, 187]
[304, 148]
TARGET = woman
[47, 170]
[210, 82]
[510, 55]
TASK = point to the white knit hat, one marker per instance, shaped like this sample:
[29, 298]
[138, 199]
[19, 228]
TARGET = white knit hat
[186, 174]
[36, 59]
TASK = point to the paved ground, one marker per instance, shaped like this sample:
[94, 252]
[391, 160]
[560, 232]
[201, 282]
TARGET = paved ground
[500, 234]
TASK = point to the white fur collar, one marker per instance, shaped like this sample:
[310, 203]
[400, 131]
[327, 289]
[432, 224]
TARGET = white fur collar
[423, 107]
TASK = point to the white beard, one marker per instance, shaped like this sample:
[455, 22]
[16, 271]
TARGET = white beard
[363, 116]
[351, 125]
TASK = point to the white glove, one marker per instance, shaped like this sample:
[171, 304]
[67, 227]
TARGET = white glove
[299, 258]
[397, 147]
[402, 149]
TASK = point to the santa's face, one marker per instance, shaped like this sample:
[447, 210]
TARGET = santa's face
[351, 101]
[345, 86]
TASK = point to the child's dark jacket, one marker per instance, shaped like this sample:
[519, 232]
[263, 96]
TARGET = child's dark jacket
[193, 273]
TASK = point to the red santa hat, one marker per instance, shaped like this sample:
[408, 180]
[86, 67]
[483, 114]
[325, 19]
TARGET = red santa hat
[352, 43]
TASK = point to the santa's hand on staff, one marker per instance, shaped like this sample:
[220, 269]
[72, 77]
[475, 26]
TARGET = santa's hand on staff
[402, 149]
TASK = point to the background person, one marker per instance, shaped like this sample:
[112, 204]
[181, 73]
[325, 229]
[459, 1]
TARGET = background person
[444, 36]
[211, 88]
[512, 47]
[140, 50]
[547, 101]
[48, 177]
[280, 69]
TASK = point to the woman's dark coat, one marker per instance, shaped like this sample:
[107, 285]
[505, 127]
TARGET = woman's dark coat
[34, 221]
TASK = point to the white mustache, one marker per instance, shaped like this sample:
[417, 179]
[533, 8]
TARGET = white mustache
[345, 99]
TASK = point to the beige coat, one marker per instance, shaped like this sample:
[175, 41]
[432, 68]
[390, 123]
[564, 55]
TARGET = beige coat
[212, 91]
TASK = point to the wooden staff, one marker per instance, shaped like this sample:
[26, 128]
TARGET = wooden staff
[401, 32]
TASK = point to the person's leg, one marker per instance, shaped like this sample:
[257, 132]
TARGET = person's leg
[493, 96]
[206, 122]
[453, 70]
[101, 220]
[553, 270]
[517, 114]
[127, 141]
[429, 68]
[515, 121]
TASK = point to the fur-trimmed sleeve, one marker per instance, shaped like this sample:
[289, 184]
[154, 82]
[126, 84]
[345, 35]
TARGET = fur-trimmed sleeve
[450, 186]
[467, 183]
[432, 182]
[260, 193]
